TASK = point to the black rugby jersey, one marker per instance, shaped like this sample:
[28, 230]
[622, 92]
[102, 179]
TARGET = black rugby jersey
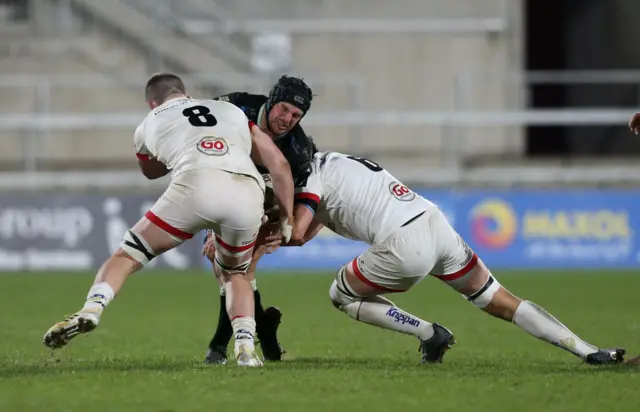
[296, 146]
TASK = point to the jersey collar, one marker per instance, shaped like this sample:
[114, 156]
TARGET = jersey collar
[173, 100]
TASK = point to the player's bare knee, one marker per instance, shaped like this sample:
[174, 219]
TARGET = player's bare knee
[134, 245]
[503, 305]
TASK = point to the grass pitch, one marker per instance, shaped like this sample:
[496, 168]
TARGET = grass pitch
[147, 353]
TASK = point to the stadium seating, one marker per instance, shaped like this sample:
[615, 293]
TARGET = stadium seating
[416, 69]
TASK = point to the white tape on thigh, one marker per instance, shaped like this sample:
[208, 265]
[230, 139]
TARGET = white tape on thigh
[136, 247]
[485, 294]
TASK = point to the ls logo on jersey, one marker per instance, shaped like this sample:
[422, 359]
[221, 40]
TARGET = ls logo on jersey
[401, 192]
[214, 146]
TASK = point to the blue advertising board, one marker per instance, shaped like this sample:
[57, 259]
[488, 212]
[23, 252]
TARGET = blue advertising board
[512, 229]
[523, 229]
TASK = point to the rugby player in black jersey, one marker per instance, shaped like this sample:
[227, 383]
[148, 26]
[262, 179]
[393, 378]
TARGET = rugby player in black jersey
[279, 115]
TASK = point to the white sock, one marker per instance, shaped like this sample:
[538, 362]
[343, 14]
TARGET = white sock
[381, 312]
[244, 329]
[541, 324]
[98, 297]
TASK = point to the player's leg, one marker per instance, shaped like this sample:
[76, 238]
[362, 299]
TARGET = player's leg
[235, 237]
[161, 229]
[217, 350]
[231, 261]
[393, 266]
[476, 283]
[267, 320]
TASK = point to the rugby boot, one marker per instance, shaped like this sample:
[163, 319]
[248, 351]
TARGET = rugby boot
[246, 355]
[606, 357]
[267, 329]
[62, 332]
[216, 355]
[434, 348]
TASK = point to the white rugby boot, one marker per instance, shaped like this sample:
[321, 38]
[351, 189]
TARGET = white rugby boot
[62, 332]
[246, 355]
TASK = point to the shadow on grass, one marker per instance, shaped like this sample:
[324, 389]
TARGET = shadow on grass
[465, 367]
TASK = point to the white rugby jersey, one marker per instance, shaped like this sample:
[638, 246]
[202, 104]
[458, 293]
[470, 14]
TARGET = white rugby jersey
[358, 199]
[186, 134]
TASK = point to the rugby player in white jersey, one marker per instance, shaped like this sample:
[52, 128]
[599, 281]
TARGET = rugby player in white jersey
[210, 148]
[410, 238]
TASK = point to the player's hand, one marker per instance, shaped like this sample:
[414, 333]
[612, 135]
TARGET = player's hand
[209, 248]
[274, 238]
[265, 249]
[271, 215]
[286, 228]
[268, 239]
[634, 123]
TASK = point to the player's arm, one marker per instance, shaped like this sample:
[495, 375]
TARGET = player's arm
[303, 218]
[265, 153]
[150, 167]
[307, 200]
[301, 222]
[313, 228]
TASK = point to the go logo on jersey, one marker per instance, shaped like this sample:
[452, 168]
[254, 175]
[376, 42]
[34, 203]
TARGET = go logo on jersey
[215, 146]
[401, 192]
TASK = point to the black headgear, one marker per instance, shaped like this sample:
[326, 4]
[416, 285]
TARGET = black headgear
[292, 90]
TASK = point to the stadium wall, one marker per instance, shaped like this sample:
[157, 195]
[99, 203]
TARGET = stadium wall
[509, 229]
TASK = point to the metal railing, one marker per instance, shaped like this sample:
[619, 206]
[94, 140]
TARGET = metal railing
[42, 118]
[454, 122]
[352, 26]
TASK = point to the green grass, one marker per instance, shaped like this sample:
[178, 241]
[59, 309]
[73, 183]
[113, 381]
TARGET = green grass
[147, 353]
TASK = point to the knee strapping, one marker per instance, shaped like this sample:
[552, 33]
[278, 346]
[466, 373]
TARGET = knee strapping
[484, 295]
[343, 296]
[226, 269]
[136, 247]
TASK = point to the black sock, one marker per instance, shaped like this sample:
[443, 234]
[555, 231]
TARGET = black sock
[224, 331]
[259, 311]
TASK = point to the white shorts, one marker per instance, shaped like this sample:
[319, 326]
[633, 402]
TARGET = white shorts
[426, 245]
[228, 203]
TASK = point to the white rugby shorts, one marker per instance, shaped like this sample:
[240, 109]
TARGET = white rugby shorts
[228, 203]
[427, 245]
